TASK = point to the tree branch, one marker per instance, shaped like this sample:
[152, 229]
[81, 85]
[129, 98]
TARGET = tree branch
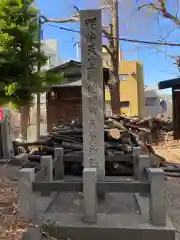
[106, 33]
[108, 50]
[109, 36]
[72, 19]
[163, 10]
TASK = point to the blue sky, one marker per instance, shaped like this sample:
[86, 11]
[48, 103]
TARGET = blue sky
[144, 25]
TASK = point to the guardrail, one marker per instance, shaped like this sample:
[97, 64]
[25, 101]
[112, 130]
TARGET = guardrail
[147, 181]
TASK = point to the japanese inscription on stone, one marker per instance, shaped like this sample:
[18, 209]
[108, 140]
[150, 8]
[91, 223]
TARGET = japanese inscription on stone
[92, 89]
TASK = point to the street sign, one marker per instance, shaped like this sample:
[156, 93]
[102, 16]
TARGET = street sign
[2, 114]
[163, 105]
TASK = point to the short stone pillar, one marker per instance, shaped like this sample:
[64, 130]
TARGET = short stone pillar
[143, 164]
[157, 207]
[59, 164]
[47, 164]
[89, 195]
[26, 196]
[136, 152]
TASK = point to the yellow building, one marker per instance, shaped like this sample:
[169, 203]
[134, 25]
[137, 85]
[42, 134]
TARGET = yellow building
[131, 87]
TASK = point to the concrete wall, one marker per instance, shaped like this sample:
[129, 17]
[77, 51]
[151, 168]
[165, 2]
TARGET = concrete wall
[50, 48]
[140, 86]
[155, 107]
[152, 103]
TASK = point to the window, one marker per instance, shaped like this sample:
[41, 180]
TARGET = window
[150, 101]
[78, 109]
[123, 77]
[124, 104]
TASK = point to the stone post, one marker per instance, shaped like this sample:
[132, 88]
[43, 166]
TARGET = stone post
[59, 164]
[47, 164]
[26, 196]
[143, 163]
[92, 93]
[136, 152]
[89, 195]
[157, 207]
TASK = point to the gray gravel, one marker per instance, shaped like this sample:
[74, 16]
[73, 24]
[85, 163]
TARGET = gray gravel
[173, 203]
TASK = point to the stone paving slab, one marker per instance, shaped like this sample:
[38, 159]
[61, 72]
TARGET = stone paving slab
[115, 203]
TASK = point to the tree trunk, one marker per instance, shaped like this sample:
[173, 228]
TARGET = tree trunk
[24, 121]
[114, 87]
[38, 116]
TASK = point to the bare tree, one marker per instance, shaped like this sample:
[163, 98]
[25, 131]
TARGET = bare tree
[160, 7]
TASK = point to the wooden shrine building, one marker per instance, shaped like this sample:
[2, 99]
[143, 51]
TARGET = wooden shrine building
[64, 100]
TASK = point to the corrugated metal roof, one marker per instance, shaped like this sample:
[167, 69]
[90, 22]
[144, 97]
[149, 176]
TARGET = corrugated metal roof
[77, 83]
[169, 83]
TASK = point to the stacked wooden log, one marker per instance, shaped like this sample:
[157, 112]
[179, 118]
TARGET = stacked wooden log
[121, 134]
[151, 129]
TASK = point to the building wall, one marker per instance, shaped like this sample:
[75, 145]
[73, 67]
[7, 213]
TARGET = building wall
[140, 86]
[152, 103]
[64, 103]
[153, 97]
[50, 49]
[131, 88]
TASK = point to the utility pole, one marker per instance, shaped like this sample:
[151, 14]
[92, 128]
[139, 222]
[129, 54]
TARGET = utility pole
[38, 101]
[114, 48]
[115, 28]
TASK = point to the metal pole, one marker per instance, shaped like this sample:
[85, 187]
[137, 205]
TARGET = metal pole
[77, 49]
[38, 102]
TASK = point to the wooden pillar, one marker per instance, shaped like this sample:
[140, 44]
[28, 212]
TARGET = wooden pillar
[176, 112]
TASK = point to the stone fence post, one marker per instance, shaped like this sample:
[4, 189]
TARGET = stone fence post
[157, 207]
[89, 195]
[136, 152]
[59, 164]
[141, 161]
[47, 164]
[26, 196]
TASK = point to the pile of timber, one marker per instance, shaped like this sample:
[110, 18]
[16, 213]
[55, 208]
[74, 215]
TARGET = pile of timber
[157, 126]
[121, 134]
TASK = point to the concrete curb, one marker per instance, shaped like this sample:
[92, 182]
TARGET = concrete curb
[32, 234]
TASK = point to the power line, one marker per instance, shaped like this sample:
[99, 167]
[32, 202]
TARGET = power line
[124, 39]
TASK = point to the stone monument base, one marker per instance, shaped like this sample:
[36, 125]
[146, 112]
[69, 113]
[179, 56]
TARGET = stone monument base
[122, 216]
[109, 226]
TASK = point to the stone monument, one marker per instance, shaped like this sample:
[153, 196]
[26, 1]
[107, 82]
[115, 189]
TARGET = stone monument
[92, 91]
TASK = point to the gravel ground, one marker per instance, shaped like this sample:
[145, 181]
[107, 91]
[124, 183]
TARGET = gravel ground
[173, 203]
[11, 225]
[9, 175]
